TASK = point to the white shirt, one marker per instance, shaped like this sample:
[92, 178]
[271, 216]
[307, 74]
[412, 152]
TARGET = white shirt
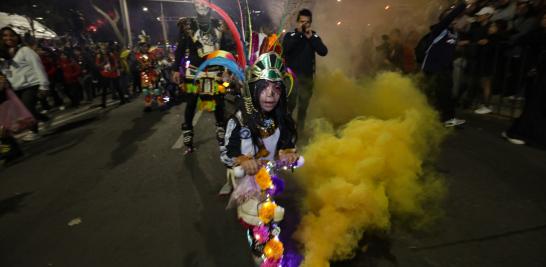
[25, 70]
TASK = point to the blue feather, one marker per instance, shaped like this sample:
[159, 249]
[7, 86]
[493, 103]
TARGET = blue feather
[220, 61]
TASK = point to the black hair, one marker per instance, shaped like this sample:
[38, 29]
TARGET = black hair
[3, 49]
[279, 114]
[19, 38]
[305, 12]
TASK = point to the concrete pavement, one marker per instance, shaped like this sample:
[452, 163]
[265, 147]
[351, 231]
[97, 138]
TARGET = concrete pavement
[142, 203]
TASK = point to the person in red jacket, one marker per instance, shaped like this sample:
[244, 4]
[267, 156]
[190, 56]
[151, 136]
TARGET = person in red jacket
[71, 77]
[108, 64]
[49, 60]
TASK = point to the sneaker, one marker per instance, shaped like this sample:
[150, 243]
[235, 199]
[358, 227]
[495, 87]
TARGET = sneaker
[512, 140]
[453, 122]
[188, 151]
[44, 111]
[61, 108]
[188, 138]
[483, 110]
[30, 137]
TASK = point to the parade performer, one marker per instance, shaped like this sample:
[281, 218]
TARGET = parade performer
[199, 37]
[257, 143]
[270, 130]
[264, 41]
[149, 75]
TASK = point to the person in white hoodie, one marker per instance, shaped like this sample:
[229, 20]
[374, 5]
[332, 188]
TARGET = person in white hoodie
[26, 74]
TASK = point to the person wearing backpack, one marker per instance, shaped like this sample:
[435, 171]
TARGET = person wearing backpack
[437, 63]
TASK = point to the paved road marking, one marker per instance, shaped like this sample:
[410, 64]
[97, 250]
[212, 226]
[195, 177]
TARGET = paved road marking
[57, 121]
[180, 141]
[197, 117]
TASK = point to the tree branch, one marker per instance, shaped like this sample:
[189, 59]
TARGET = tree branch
[111, 22]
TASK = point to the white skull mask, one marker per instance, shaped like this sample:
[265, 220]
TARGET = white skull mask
[201, 8]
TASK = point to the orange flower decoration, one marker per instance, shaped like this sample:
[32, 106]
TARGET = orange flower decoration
[267, 211]
[221, 89]
[263, 179]
[274, 249]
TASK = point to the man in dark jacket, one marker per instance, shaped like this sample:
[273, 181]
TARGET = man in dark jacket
[438, 65]
[300, 47]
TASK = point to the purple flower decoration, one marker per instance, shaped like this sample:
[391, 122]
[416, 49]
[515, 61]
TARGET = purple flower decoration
[270, 263]
[261, 234]
[291, 259]
[278, 186]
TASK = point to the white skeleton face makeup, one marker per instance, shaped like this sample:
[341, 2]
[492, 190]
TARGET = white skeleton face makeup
[201, 8]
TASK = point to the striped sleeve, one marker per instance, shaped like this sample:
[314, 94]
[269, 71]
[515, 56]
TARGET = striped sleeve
[232, 143]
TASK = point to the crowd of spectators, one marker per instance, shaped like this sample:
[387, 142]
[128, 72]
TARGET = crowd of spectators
[80, 72]
[48, 76]
[497, 63]
[486, 53]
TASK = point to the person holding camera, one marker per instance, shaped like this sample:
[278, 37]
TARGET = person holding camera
[300, 47]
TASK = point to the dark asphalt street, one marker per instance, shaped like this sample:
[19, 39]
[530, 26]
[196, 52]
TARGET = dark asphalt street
[141, 202]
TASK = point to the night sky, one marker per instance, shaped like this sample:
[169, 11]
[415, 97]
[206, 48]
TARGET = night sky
[64, 15]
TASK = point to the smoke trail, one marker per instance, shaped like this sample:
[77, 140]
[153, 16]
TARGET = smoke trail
[274, 10]
[352, 29]
[362, 172]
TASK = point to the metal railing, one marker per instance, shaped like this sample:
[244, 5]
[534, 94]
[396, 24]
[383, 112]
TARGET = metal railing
[509, 79]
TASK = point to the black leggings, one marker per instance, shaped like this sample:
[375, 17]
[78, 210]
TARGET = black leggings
[74, 91]
[439, 86]
[113, 84]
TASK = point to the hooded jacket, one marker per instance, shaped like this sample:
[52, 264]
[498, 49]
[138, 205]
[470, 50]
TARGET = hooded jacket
[440, 56]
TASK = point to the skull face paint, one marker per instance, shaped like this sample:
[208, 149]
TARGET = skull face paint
[201, 8]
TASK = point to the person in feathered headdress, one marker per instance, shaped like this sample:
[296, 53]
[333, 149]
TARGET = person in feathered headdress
[199, 37]
[262, 128]
[260, 137]
[149, 75]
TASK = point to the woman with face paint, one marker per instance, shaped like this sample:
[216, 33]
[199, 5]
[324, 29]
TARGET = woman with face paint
[267, 135]
[270, 133]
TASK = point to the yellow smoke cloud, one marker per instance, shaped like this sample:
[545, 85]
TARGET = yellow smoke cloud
[364, 164]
